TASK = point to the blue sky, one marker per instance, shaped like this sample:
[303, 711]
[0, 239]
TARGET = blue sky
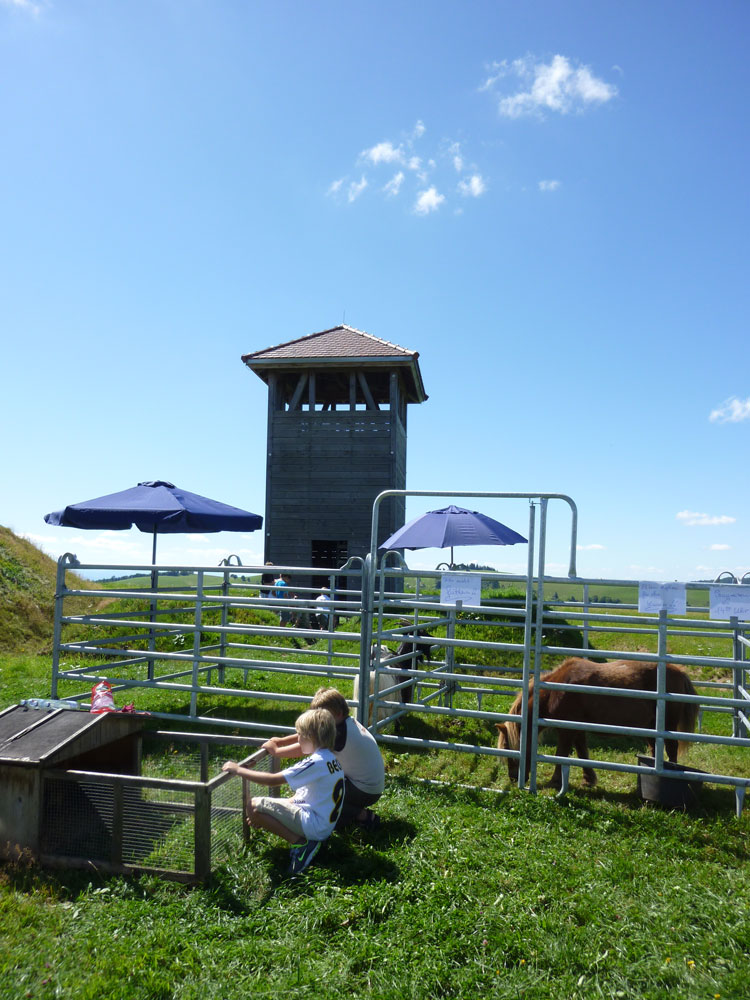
[547, 200]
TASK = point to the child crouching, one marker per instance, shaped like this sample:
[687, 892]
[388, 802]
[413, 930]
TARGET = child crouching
[308, 818]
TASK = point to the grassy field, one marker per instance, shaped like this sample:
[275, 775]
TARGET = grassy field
[461, 893]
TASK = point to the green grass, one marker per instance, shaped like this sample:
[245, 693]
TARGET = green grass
[461, 893]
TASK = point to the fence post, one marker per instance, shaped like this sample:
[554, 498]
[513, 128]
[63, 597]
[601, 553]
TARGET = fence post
[539, 628]
[736, 674]
[450, 656]
[585, 616]
[202, 833]
[527, 634]
[224, 622]
[368, 579]
[59, 598]
[661, 688]
[197, 642]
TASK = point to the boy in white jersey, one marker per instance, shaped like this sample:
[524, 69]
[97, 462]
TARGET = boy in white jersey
[356, 751]
[308, 818]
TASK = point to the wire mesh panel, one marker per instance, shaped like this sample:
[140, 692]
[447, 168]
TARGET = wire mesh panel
[227, 810]
[118, 823]
[77, 820]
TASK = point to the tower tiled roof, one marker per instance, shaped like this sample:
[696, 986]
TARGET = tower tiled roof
[338, 342]
[341, 347]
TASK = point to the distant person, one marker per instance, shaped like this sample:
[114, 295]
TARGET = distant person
[266, 582]
[307, 818]
[357, 752]
[282, 592]
[324, 605]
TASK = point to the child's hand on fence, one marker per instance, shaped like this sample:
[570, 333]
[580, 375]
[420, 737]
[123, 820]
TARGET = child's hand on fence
[231, 766]
[271, 747]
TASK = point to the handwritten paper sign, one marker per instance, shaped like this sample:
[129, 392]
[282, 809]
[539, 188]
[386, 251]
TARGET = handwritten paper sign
[671, 597]
[728, 601]
[464, 587]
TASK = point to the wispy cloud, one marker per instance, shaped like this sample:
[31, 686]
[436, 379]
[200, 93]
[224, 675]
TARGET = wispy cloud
[720, 548]
[28, 6]
[393, 186]
[731, 411]
[428, 201]
[694, 519]
[383, 152]
[560, 85]
[593, 547]
[420, 172]
[472, 187]
[549, 185]
[355, 189]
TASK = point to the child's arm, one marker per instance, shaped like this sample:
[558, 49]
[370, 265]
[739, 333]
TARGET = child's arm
[258, 777]
[283, 746]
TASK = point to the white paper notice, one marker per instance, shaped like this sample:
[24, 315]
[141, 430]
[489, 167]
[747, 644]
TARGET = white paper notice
[671, 597]
[464, 587]
[728, 601]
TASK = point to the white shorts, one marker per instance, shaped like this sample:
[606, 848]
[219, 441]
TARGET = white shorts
[284, 810]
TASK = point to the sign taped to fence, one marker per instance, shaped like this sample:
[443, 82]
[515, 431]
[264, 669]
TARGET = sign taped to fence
[464, 587]
[729, 601]
[671, 597]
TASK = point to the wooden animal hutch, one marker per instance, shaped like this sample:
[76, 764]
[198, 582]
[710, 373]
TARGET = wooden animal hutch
[337, 403]
[73, 794]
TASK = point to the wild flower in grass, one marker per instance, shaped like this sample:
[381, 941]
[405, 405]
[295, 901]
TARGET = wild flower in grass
[667, 960]
[690, 963]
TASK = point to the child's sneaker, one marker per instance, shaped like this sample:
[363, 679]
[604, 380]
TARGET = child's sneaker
[301, 855]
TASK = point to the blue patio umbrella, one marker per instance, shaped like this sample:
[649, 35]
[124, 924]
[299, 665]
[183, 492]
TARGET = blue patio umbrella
[156, 506]
[450, 526]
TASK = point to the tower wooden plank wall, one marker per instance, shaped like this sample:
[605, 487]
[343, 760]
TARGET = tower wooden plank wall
[337, 422]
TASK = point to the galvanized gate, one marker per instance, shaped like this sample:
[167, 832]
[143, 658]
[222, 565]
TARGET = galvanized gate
[383, 629]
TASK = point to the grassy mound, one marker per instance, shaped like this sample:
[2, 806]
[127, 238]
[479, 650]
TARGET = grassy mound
[27, 595]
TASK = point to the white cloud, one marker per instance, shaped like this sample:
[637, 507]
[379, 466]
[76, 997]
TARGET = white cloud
[693, 518]
[383, 152]
[355, 189]
[393, 186]
[593, 547]
[428, 201]
[416, 171]
[720, 548]
[731, 411]
[559, 85]
[549, 185]
[473, 187]
[26, 5]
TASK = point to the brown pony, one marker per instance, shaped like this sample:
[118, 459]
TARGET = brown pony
[575, 706]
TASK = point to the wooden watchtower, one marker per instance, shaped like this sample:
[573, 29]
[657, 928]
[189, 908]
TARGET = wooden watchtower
[337, 404]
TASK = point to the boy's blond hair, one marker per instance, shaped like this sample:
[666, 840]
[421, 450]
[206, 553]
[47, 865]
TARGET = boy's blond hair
[318, 726]
[331, 699]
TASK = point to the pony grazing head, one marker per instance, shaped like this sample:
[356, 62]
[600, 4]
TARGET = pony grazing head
[508, 739]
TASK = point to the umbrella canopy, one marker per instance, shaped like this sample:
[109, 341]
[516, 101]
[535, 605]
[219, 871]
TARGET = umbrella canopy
[158, 507]
[438, 529]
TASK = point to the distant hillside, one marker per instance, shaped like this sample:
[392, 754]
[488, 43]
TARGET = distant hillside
[27, 596]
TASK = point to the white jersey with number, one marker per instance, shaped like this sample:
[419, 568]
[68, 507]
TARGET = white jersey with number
[318, 785]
